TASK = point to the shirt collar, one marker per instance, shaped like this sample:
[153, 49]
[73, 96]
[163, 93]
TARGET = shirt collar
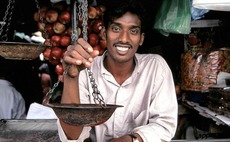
[136, 69]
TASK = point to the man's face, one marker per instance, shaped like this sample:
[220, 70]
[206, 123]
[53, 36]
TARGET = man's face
[124, 37]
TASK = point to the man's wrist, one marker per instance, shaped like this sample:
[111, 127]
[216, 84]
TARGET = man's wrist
[134, 138]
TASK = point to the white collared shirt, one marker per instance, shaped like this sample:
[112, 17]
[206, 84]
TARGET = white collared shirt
[147, 96]
[12, 104]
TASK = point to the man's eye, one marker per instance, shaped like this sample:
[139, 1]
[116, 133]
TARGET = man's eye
[116, 29]
[134, 31]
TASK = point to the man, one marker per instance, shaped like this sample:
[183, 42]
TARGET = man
[12, 104]
[142, 83]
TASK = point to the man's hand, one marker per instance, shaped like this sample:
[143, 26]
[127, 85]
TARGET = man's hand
[79, 57]
[125, 138]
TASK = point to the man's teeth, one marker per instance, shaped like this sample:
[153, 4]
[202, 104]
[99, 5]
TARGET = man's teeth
[122, 48]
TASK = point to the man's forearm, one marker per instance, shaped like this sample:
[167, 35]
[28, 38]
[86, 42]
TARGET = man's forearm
[71, 96]
[71, 91]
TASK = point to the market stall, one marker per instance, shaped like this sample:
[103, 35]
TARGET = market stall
[195, 64]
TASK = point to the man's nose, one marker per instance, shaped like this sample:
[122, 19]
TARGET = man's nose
[124, 37]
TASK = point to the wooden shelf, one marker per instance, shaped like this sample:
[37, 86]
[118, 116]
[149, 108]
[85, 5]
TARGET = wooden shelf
[206, 112]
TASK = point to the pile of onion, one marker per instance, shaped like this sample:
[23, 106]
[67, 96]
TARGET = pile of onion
[54, 21]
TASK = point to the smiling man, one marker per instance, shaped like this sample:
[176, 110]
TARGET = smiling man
[142, 83]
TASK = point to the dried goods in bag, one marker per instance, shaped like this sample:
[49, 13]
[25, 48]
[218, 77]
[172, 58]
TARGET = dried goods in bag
[200, 67]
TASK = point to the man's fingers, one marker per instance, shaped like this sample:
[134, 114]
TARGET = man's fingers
[81, 54]
[85, 45]
[95, 53]
[73, 61]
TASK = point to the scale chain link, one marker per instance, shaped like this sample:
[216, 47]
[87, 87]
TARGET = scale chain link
[49, 93]
[98, 98]
[10, 7]
[84, 9]
[41, 19]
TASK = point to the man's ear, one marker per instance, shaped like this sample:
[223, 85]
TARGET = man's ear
[103, 33]
[142, 39]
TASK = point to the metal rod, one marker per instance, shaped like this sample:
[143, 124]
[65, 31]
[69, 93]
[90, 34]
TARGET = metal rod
[74, 35]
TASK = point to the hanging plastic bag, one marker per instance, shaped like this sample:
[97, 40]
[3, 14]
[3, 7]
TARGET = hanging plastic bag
[220, 5]
[56, 1]
[174, 16]
[197, 13]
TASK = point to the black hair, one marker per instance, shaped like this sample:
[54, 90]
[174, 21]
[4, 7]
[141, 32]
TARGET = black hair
[118, 8]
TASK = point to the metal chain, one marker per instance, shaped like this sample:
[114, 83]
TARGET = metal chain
[10, 7]
[49, 94]
[41, 19]
[79, 12]
[84, 9]
[98, 98]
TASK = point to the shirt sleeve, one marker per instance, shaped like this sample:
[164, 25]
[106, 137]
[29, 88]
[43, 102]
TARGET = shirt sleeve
[19, 108]
[162, 121]
[84, 134]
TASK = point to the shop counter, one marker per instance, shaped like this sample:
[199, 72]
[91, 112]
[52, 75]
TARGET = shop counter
[29, 130]
[44, 130]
